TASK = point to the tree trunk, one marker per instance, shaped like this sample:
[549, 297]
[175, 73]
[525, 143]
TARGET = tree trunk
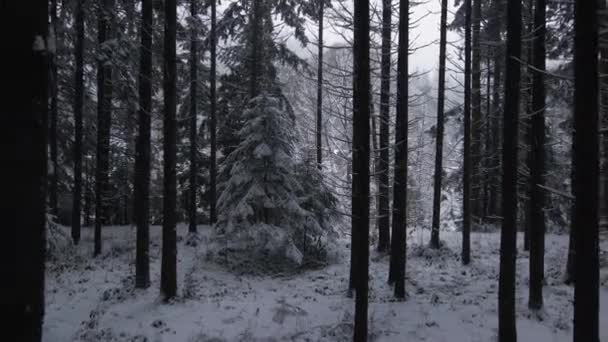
[24, 124]
[508, 236]
[104, 112]
[399, 224]
[53, 115]
[193, 113]
[142, 154]
[537, 194]
[466, 174]
[320, 89]
[168, 281]
[586, 164]
[212, 121]
[78, 104]
[496, 194]
[439, 143]
[383, 177]
[360, 160]
[475, 97]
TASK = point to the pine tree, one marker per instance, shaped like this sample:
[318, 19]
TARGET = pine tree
[475, 97]
[104, 114]
[399, 224]
[193, 113]
[466, 181]
[78, 106]
[24, 111]
[439, 141]
[168, 281]
[506, 289]
[360, 162]
[385, 81]
[212, 116]
[321, 4]
[537, 198]
[142, 154]
[54, 84]
[586, 165]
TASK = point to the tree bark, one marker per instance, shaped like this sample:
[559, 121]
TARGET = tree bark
[78, 104]
[104, 113]
[53, 115]
[212, 121]
[168, 281]
[439, 142]
[24, 125]
[586, 165]
[193, 113]
[537, 194]
[360, 160]
[399, 224]
[385, 88]
[142, 154]
[475, 97]
[320, 89]
[466, 174]
[508, 237]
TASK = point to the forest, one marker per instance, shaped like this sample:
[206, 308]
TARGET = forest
[305, 170]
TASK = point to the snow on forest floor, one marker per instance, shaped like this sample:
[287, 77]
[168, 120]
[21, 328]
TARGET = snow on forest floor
[93, 299]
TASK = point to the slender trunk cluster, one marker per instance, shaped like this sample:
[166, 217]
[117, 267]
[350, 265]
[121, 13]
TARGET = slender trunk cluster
[466, 174]
[212, 117]
[193, 113]
[320, 89]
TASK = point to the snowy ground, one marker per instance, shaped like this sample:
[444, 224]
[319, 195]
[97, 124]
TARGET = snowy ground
[94, 300]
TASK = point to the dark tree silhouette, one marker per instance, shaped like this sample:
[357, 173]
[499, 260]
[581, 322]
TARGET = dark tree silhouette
[24, 125]
[439, 141]
[537, 195]
[586, 165]
[168, 279]
[104, 113]
[383, 171]
[466, 174]
[360, 161]
[212, 117]
[320, 88]
[78, 104]
[53, 116]
[508, 236]
[399, 224]
[193, 112]
[142, 153]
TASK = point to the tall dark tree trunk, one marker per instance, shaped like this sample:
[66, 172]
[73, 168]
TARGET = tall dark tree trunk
[53, 116]
[168, 280]
[142, 153]
[496, 27]
[466, 174]
[399, 224]
[586, 164]
[475, 97]
[193, 113]
[212, 116]
[508, 236]
[385, 88]
[24, 125]
[360, 160]
[104, 113]
[537, 198]
[439, 141]
[78, 104]
[320, 89]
